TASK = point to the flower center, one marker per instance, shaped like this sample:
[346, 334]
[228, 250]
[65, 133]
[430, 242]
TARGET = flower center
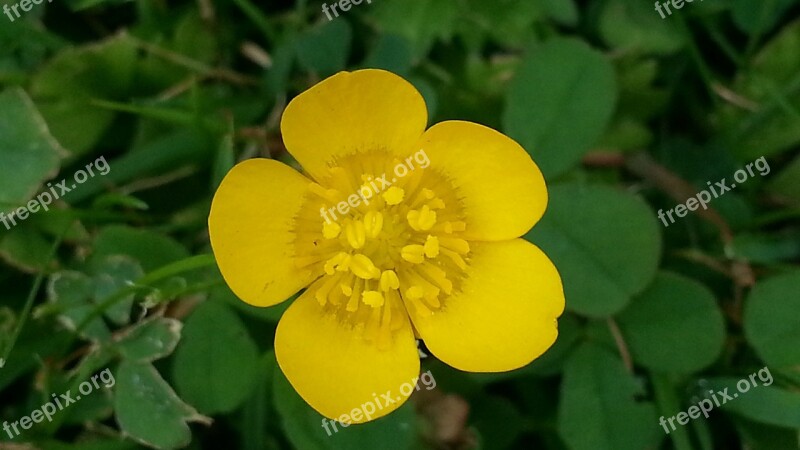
[384, 237]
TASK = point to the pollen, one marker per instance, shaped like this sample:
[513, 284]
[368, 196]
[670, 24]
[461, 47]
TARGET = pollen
[398, 251]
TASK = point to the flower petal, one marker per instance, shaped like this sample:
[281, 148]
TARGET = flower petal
[503, 190]
[249, 226]
[335, 370]
[505, 314]
[353, 112]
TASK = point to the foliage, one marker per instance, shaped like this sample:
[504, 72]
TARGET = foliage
[626, 113]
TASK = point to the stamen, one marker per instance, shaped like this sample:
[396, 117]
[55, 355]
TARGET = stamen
[331, 264]
[363, 267]
[413, 253]
[355, 296]
[458, 245]
[331, 195]
[389, 280]
[431, 246]
[394, 195]
[373, 223]
[373, 298]
[421, 219]
[330, 230]
[356, 233]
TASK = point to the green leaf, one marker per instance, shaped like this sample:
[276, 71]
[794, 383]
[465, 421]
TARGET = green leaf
[151, 249]
[605, 243]
[26, 248]
[29, 155]
[422, 22]
[64, 87]
[785, 184]
[674, 326]
[209, 337]
[507, 22]
[148, 410]
[498, 421]
[112, 274]
[72, 292]
[304, 426]
[599, 409]
[565, 12]
[771, 124]
[758, 17]
[771, 321]
[392, 53]
[324, 49]
[766, 248]
[636, 26]
[150, 340]
[560, 102]
[764, 404]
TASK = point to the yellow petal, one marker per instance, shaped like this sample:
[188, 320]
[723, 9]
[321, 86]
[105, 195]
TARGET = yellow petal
[503, 190]
[249, 226]
[353, 112]
[335, 370]
[505, 314]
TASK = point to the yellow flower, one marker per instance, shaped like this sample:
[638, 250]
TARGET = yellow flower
[430, 250]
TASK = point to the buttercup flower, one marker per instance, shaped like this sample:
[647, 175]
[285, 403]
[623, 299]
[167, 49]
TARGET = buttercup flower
[431, 250]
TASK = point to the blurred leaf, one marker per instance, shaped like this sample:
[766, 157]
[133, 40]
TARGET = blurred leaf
[767, 248]
[498, 421]
[565, 12]
[324, 49]
[64, 87]
[151, 249]
[390, 52]
[225, 158]
[765, 404]
[771, 321]
[758, 17]
[772, 85]
[209, 336]
[26, 248]
[508, 22]
[150, 340]
[112, 199]
[196, 38]
[636, 26]
[72, 293]
[765, 437]
[674, 326]
[605, 243]
[304, 426]
[79, 5]
[422, 22]
[112, 274]
[559, 103]
[149, 411]
[28, 153]
[599, 407]
[785, 184]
